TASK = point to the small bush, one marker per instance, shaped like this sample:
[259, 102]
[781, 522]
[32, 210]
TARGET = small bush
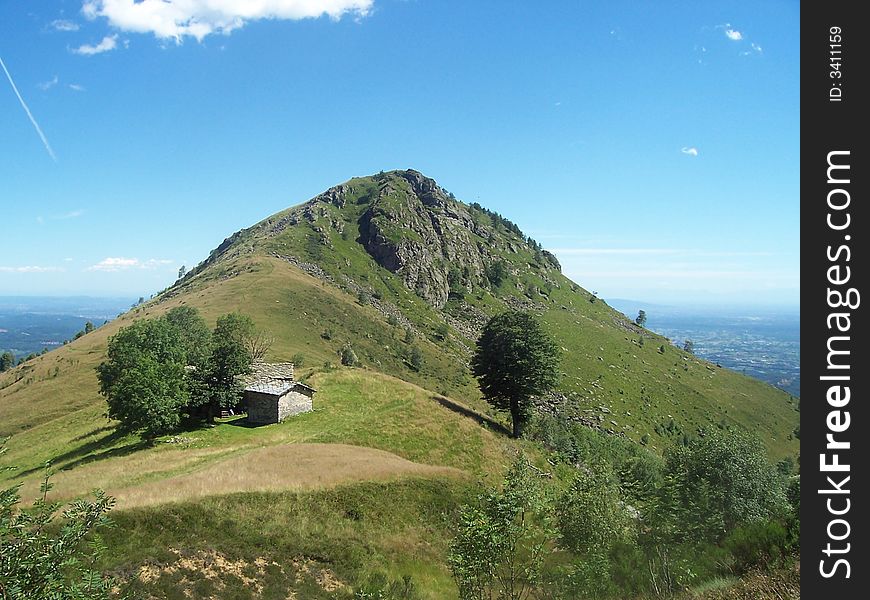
[298, 359]
[348, 356]
[378, 587]
[416, 358]
[758, 545]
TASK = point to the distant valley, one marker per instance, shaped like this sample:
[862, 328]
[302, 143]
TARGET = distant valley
[760, 342]
[30, 324]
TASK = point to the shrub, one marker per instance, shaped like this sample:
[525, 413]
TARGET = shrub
[591, 516]
[42, 556]
[501, 539]
[378, 587]
[763, 544]
[415, 358]
[718, 482]
[348, 356]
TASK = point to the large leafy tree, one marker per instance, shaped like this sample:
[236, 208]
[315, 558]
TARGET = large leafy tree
[196, 344]
[515, 360]
[143, 377]
[230, 357]
[193, 333]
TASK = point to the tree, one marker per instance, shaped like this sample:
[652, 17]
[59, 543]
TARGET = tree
[259, 343]
[501, 539]
[416, 358]
[641, 318]
[348, 356]
[689, 346]
[143, 378]
[515, 360]
[718, 482]
[195, 338]
[7, 361]
[182, 271]
[43, 557]
[591, 514]
[496, 272]
[230, 357]
[193, 334]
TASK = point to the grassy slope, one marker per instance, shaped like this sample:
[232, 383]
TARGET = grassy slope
[613, 378]
[263, 545]
[52, 409]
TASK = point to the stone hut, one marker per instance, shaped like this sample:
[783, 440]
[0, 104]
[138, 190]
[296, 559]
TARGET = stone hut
[272, 394]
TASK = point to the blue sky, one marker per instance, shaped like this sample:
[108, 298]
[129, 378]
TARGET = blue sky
[653, 146]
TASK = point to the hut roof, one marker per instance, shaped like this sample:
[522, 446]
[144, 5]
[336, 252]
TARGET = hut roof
[272, 388]
[262, 371]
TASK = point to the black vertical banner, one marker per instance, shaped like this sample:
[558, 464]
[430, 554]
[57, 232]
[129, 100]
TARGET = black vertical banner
[834, 366]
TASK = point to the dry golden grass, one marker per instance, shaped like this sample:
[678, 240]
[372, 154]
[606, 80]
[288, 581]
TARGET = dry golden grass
[778, 584]
[274, 468]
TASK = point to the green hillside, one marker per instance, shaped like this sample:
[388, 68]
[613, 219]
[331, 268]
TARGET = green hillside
[395, 248]
[393, 265]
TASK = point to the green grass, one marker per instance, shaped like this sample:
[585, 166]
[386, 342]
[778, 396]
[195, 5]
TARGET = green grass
[399, 528]
[352, 406]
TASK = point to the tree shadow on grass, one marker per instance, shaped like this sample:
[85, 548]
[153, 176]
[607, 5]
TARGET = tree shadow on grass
[96, 450]
[92, 433]
[467, 412]
[242, 421]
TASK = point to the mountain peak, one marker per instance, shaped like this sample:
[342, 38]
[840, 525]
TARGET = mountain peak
[405, 222]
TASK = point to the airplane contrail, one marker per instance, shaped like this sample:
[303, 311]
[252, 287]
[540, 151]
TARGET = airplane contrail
[29, 114]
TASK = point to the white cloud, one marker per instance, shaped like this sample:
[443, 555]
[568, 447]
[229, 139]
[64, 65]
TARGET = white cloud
[692, 151]
[76, 87]
[64, 25]
[114, 264]
[73, 214]
[47, 85]
[110, 42]
[733, 34]
[175, 19]
[756, 47]
[29, 269]
[153, 263]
